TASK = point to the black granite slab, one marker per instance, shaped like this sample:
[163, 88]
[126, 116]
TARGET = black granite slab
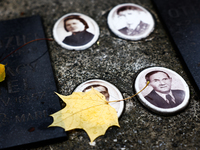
[182, 19]
[27, 95]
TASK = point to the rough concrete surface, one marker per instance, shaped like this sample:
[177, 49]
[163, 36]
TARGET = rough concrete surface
[117, 61]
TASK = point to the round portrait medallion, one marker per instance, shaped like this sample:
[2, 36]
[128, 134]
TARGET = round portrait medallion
[130, 21]
[75, 31]
[110, 92]
[166, 93]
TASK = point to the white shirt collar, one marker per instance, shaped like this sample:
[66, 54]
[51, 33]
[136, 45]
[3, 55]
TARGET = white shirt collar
[164, 96]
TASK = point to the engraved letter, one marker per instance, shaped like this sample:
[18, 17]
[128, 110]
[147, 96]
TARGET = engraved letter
[3, 119]
[24, 39]
[10, 71]
[45, 113]
[29, 116]
[25, 84]
[18, 119]
[9, 41]
[173, 13]
[38, 115]
[184, 10]
[5, 101]
[1, 44]
[12, 88]
[18, 41]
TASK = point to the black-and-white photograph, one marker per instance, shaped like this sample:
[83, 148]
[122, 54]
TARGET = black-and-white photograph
[110, 92]
[76, 31]
[130, 21]
[167, 91]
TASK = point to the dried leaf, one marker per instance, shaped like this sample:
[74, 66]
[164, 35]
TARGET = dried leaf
[2, 72]
[88, 111]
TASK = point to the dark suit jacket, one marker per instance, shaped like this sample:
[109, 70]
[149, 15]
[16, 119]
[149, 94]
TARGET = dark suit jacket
[140, 29]
[158, 101]
[78, 38]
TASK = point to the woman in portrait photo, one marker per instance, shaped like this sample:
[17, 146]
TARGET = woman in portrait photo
[77, 26]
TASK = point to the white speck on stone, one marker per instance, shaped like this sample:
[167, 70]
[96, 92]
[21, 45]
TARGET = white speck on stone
[129, 106]
[92, 144]
[123, 148]
[115, 140]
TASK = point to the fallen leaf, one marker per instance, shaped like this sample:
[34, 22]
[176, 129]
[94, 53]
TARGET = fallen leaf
[88, 111]
[2, 72]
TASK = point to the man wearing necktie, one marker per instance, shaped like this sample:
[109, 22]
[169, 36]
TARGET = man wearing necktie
[162, 95]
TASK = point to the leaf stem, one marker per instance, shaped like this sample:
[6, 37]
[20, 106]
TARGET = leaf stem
[130, 96]
[26, 44]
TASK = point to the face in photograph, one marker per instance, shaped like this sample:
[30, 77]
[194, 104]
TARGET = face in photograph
[163, 95]
[110, 92]
[102, 89]
[76, 31]
[74, 25]
[130, 21]
[160, 82]
[131, 16]
[166, 93]
[77, 27]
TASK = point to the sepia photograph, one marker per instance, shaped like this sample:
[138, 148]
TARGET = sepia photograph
[76, 31]
[166, 91]
[130, 21]
[110, 92]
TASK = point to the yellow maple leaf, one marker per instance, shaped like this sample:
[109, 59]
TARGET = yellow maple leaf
[2, 72]
[88, 111]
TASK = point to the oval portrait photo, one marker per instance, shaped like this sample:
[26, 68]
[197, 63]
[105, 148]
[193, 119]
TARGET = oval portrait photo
[130, 21]
[75, 31]
[110, 92]
[167, 91]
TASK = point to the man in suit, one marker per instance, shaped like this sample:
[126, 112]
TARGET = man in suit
[162, 95]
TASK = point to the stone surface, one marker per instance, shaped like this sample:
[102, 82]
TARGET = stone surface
[117, 61]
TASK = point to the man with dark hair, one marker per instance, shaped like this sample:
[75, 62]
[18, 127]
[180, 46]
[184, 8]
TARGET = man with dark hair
[102, 89]
[162, 96]
[77, 26]
[134, 26]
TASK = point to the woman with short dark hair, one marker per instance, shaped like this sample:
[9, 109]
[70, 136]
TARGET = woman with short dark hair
[77, 26]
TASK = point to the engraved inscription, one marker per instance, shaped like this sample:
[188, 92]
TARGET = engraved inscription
[16, 41]
[3, 119]
[181, 11]
[12, 86]
[10, 42]
[21, 118]
[19, 43]
[22, 99]
[5, 102]
[10, 71]
[174, 13]
[25, 68]
[1, 44]
[29, 117]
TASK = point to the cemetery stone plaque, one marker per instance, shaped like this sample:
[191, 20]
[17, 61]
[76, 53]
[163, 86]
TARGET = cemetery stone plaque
[27, 95]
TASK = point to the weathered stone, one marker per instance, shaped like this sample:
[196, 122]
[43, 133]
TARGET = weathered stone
[117, 61]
